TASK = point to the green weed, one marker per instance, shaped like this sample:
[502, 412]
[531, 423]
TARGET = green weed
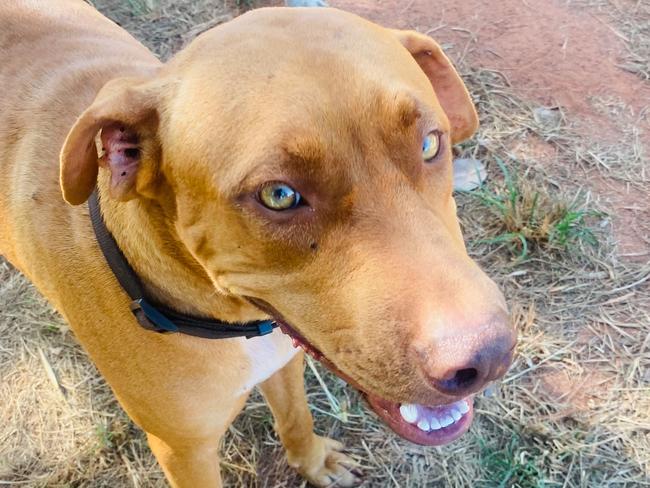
[141, 7]
[509, 466]
[528, 217]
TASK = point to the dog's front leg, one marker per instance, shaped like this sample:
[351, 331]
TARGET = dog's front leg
[316, 458]
[188, 464]
[189, 455]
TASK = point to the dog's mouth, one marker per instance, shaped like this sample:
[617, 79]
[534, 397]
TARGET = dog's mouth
[427, 425]
[421, 424]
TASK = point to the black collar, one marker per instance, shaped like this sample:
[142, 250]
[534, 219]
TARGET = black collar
[159, 318]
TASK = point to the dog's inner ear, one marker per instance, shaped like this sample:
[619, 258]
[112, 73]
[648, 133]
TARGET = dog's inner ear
[120, 152]
[447, 84]
[118, 132]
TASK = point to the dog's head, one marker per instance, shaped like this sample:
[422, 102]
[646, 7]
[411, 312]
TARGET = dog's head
[307, 158]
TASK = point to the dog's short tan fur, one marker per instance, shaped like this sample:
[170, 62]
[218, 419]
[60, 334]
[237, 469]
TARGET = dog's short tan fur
[374, 273]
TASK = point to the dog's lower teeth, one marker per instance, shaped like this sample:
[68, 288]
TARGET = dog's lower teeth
[409, 412]
[462, 406]
[446, 421]
[434, 424]
[428, 419]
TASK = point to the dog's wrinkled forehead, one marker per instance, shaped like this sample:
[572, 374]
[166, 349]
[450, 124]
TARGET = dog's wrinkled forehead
[271, 84]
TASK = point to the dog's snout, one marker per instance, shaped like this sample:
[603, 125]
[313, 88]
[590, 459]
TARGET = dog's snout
[464, 361]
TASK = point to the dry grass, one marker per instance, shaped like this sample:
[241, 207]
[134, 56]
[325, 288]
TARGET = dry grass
[525, 216]
[630, 21]
[60, 425]
[165, 26]
[574, 411]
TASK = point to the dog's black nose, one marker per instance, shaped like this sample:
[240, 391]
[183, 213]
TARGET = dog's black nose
[463, 363]
[475, 375]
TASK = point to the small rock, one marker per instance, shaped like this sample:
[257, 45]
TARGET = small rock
[547, 117]
[469, 174]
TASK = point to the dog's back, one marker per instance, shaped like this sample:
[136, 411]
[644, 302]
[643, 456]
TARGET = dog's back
[53, 60]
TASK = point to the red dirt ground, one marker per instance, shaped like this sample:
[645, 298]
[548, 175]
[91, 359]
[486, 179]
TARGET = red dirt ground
[553, 54]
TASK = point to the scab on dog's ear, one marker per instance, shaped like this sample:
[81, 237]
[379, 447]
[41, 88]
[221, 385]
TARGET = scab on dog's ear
[449, 87]
[125, 111]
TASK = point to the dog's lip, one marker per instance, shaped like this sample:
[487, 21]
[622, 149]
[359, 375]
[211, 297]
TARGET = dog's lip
[389, 411]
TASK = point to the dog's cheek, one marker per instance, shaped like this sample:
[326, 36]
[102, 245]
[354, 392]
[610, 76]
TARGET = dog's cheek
[281, 249]
[453, 224]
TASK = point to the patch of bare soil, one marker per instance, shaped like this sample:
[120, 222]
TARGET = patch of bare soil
[575, 393]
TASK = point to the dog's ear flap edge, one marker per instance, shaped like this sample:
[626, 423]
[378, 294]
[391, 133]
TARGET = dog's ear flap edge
[122, 103]
[78, 172]
[447, 83]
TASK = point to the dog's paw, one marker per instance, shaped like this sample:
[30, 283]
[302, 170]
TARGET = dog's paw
[325, 465]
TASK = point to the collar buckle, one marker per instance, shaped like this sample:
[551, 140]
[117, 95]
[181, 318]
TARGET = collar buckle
[151, 318]
[263, 328]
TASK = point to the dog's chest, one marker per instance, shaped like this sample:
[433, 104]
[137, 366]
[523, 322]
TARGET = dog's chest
[267, 355]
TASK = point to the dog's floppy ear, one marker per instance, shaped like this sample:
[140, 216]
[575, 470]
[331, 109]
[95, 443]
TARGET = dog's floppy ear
[125, 111]
[449, 87]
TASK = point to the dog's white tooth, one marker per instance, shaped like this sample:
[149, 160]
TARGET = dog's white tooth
[446, 421]
[455, 414]
[462, 406]
[423, 424]
[434, 424]
[409, 412]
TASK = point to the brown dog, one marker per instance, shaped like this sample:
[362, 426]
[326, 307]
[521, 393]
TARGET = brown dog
[312, 179]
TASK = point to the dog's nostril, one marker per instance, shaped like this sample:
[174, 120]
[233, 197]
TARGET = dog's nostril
[460, 363]
[462, 379]
[465, 376]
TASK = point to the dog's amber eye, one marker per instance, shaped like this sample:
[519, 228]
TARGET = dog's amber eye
[279, 196]
[431, 146]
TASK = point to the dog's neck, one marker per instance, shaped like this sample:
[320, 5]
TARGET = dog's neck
[171, 276]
